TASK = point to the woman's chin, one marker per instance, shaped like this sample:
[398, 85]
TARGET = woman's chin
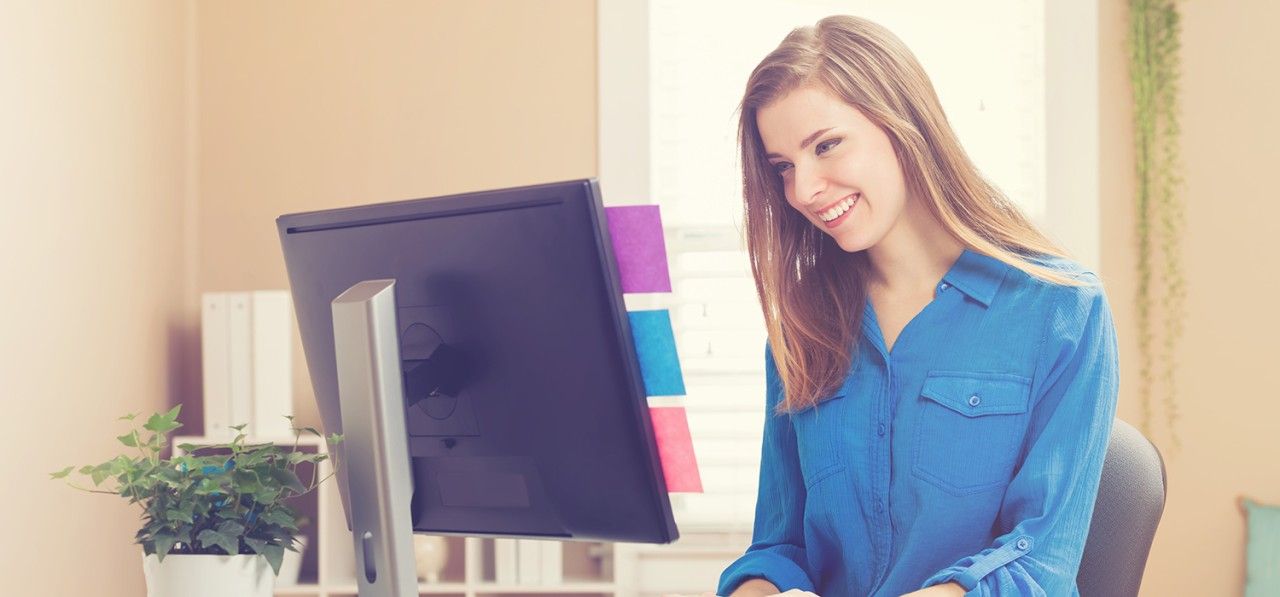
[849, 245]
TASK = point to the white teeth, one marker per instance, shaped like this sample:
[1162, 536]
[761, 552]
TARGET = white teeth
[838, 210]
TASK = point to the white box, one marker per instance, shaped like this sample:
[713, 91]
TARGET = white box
[505, 562]
[215, 329]
[552, 562]
[271, 317]
[530, 561]
[240, 355]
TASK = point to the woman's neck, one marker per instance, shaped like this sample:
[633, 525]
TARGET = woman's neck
[914, 255]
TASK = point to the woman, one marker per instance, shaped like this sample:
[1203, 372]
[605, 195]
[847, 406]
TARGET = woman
[941, 378]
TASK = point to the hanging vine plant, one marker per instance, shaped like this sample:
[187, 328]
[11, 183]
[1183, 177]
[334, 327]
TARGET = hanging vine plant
[1154, 45]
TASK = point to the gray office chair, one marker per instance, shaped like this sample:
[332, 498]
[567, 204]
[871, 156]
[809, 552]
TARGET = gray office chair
[1130, 501]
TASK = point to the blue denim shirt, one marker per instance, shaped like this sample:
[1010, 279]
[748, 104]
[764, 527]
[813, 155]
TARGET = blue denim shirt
[970, 453]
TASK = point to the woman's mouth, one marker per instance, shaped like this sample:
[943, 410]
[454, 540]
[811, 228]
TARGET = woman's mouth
[839, 212]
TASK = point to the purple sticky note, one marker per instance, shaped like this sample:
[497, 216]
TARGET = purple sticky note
[638, 248]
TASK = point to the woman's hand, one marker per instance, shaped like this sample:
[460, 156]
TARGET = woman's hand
[791, 593]
[949, 589]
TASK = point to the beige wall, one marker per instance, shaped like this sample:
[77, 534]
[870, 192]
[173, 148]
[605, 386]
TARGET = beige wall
[1230, 415]
[313, 105]
[306, 106]
[299, 106]
[91, 259]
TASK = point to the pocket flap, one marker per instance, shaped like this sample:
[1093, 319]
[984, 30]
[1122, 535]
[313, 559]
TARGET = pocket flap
[976, 394]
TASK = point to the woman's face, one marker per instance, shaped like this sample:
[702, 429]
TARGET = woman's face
[838, 168]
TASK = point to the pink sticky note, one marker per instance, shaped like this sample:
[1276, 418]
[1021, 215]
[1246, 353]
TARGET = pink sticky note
[638, 247]
[675, 448]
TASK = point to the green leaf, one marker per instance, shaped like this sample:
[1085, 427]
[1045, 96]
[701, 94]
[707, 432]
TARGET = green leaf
[335, 439]
[210, 537]
[275, 555]
[257, 545]
[119, 465]
[231, 528]
[266, 495]
[164, 542]
[179, 515]
[165, 423]
[289, 480]
[129, 439]
[246, 481]
[62, 473]
[128, 417]
[239, 428]
[281, 517]
[100, 473]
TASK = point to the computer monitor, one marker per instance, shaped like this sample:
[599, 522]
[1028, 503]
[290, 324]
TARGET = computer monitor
[523, 402]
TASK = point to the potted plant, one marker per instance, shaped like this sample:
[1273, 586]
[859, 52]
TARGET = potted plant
[212, 523]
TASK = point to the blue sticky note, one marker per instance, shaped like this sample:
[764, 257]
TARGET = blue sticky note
[656, 349]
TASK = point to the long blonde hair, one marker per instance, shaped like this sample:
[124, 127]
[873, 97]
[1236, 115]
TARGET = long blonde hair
[811, 291]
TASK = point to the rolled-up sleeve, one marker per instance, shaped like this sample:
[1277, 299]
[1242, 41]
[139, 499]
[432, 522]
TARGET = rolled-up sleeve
[1049, 502]
[777, 552]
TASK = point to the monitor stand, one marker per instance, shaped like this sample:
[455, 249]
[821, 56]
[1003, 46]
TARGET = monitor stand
[375, 438]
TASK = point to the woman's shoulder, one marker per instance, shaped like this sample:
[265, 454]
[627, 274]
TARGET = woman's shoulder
[1085, 289]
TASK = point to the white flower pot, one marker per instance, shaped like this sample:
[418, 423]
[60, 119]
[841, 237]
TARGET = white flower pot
[203, 575]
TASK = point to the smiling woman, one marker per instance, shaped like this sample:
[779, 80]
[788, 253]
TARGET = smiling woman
[965, 453]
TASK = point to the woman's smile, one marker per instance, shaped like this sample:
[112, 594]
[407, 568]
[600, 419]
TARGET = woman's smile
[836, 215]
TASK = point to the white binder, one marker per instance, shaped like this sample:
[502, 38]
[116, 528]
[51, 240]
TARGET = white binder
[552, 562]
[240, 355]
[530, 561]
[215, 330]
[271, 317]
[505, 562]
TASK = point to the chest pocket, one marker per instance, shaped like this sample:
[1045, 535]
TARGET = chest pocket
[818, 439]
[971, 427]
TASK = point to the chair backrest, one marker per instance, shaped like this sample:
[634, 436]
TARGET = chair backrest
[1130, 501]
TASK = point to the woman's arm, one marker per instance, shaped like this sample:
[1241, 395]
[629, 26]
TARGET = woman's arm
[950, 589]
[777, 551]
[1049, 502]
[756, 587]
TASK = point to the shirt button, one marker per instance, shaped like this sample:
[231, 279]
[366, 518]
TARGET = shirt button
[1023, 544]
[943, 286]
[880, 429]
[974, 400]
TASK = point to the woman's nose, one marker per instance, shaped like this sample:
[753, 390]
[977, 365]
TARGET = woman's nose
[809, 185]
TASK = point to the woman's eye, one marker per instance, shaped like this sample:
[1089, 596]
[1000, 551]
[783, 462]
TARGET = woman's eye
[780, 167]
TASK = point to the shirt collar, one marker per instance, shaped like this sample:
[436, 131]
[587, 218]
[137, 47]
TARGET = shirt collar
[977, 275]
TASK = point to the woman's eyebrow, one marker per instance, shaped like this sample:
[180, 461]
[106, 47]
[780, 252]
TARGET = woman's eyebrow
[805, 143]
